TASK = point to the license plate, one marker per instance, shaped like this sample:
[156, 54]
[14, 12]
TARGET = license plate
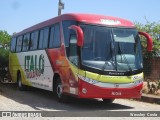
[116, 93]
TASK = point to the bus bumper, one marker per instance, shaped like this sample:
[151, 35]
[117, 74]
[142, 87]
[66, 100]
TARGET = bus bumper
[87, 90]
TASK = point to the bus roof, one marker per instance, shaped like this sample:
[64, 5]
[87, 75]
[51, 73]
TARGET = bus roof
[86, 18]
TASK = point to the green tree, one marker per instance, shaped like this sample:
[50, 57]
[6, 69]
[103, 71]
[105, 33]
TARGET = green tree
[153, 28]
[4, 48]
[4, 38]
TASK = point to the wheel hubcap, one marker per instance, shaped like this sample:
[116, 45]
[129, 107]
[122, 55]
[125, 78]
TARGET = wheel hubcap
[59, 90]
[19, 83]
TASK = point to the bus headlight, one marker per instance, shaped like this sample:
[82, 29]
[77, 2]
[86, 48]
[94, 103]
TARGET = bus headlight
[88, 80]
[138, 82]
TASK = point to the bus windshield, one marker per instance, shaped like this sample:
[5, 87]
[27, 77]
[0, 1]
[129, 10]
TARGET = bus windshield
[111, 49]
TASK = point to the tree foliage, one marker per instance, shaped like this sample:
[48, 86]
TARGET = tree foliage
[4, 38]
[4, 54]
[153, 28]
[4, 50]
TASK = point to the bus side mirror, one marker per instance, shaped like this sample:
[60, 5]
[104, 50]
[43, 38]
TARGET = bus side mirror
[79, 34]
[149, 40]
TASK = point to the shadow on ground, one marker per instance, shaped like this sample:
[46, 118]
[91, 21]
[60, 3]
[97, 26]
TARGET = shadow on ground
[44, 100]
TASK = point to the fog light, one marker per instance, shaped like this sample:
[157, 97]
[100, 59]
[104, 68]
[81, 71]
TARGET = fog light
[84, 90]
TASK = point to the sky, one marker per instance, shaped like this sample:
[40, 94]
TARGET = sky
[16, 15]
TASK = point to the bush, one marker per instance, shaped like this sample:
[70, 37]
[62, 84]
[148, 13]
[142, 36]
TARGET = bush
[4, 52]
[153, 28]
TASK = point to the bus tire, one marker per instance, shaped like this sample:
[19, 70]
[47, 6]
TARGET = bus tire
[59, 92]
[108, 101]
[19, 82]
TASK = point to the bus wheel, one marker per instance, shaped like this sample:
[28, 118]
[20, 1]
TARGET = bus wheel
[108, 101]
[19, 82]
[59, 92]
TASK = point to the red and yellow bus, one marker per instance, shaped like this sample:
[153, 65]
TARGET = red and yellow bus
[81, 55]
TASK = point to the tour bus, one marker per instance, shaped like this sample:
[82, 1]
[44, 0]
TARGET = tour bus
[80, 55]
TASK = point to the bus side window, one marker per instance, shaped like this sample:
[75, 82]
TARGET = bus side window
[51, 41]
[46, 37]
[26, 40]
[43, 40]
[19, 44]
[55, 41]
[66, 31]
[13, 45]
[73, 57]
[34, 40]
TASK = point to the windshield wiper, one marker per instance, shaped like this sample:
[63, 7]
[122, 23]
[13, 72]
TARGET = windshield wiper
[107, 62]
[123, 56]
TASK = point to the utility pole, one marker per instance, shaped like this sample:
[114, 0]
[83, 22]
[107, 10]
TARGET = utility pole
[60, 7]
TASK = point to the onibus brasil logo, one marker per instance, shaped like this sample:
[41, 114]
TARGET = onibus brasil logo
[34, 65]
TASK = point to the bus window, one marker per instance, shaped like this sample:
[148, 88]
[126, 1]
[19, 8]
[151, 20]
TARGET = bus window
[43, 40]
[73, 57]
[34, 40]
[46, 36]
[26, 39]
[55, 37]
[51, 38]
[66, 31]
[19, 44]
[13, 45]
